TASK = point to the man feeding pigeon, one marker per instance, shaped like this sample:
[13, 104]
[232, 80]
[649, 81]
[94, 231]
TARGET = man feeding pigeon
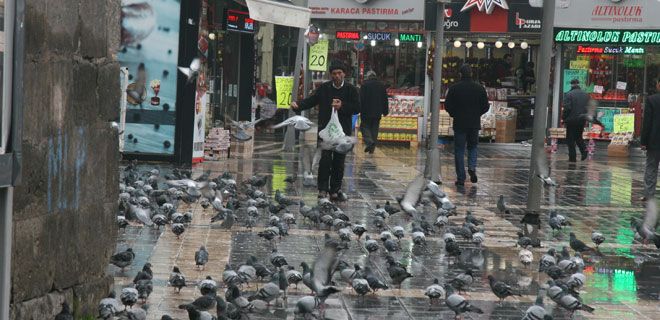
[343, 97]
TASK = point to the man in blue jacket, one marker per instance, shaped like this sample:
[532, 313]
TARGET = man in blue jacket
[466, 102]
[343, 97]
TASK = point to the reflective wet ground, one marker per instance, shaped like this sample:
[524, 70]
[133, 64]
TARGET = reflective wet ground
[598, 194]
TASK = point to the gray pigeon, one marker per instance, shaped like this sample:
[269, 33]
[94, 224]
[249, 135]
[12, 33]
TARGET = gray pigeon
[123, 259]
[537, 311]
[597, 238]
[128, 297]
[458, 304]
[361, 286]
[178, 229]
[177, 280]
[412, 195]
[192, 71]
[501, 205]
[501, 289]
[65, 314]
[201, 257]
[108, 307]
[298, 122]
[434, 291]
[306, 306]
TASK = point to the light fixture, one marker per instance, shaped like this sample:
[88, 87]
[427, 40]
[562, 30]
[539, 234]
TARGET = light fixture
[419, 44]
[212, 36]
[457, 44]
[397, 42]
[524, 45]
[498, 44]
[511, 45]
[364, 37]
[468, 44]
[373, 43]
[480, 45]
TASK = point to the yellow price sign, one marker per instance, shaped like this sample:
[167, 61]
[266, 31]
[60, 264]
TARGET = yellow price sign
[624, 123]
[284, 89]
[318, 56]
[579, 64]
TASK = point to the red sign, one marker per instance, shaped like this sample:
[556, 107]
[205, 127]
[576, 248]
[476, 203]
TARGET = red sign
[347, 35]
[239, 21]
[588, 49]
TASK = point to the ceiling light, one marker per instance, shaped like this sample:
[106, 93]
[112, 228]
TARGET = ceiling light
[468, 44]
[498, 44]
[524, 45]
[373, 43]
[511, 45]
[457, 44]
[480, 45]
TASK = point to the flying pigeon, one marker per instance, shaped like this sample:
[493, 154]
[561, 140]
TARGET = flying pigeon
[298, 122]
[192, 71]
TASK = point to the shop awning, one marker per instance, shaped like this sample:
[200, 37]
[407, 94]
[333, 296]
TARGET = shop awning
[277, 12]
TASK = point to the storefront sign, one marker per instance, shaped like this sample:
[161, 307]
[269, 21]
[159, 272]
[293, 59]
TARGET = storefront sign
[284, 88]
[580, 75]
[579, 64]
[411, 10]
[347, 35]
[624, 123]
[610, 50]
[455, 20]
[644, 37]
[379, 36]
[239, 21]
[318, 56]
[524, 18]
[410, 37]
[485, 5]
[606, 14]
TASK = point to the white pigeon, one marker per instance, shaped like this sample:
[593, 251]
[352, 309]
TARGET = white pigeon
[192, 71]
[526, 256]
[298, 122]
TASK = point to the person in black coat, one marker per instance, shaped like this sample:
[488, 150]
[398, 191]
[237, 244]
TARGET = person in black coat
[650, 141]
[343, 97]
[373, 104]
[466, 101]
[574, 116]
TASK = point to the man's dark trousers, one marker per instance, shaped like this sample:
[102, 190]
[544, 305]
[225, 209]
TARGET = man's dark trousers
[461, 138]
[331, 168]
[573, 137]
[369, 127]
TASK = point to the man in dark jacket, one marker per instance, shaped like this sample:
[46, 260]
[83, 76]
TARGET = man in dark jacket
[373, 104]
[574, 116]
[650, 141]
[343, 97]
[466, 101]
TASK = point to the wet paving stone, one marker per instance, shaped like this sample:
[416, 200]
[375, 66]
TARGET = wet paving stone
[623, 281]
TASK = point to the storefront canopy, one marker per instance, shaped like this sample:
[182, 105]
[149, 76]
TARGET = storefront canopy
[279, 12]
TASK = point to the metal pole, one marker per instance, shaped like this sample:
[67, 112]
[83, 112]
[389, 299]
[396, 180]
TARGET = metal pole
[290, 135]
[427, 94]
[432, 171]
[6, 198]
[541, 107]
[556, 87]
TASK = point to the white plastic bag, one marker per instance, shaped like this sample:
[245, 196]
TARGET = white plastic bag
[333, 130]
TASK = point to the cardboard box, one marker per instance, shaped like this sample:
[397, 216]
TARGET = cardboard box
[557, 133]
[618, 150]
[505, 131]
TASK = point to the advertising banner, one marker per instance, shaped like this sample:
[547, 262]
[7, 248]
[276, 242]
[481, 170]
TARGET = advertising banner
[411, 10]
[318, 56]
[284, 89]
[569, 75]
[608, 14]
[149, 50]
[201, 106]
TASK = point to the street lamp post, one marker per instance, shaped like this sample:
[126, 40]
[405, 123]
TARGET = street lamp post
[432, 170]
[541, 106]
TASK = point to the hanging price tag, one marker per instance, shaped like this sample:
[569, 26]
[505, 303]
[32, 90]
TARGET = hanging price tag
[318, 56]
[284, 88]
[624, 123]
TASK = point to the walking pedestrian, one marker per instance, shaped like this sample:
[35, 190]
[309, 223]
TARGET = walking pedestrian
[343, 97]
[466, 101]
[574, 116]
[373, 105]
[650, 141]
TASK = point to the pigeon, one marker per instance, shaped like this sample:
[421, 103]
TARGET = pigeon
[207, 286]
[122, 222]
[240, 133]
[178, 229]
[554, 271]
[458, 304]
[201, 257]
[65, 314]
[441, 221]
[230, 276]
[547, 260]
[306, 306]
[547, 181]
[262, 271]
[597, 238]
[144, 274]
[374, 282]
[435, 291]
[568, 302]
[205, 302]
[390, 209]
[463, 281]
[144, 288]
[359, 230]
[294, 276]
[192, 71]
[419, 238]
[142, 214]
[398, 274]
[452, 248]
[578, 245]
[361, 286]
[350, 273]
[472, 219]
[108, 307]
[557, 221]
[298, 122]
[371, 245]
[398, 232]
[128, 297]
[123, 259]
[277, 259]
[177, 280]
[501, 289]
[501, 205]
[537, 311]
[525, 256]
[159, 220]
[195, 314]
[524, 241]
[269, 292]
[478, 237]
[412, 195]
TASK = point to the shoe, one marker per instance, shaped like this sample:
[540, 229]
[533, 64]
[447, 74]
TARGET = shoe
[366, 149]
[459, 183]
[572, 160]
[323, 194]
[473, 176]
[339, 196]
[584, 156]
[643, 199]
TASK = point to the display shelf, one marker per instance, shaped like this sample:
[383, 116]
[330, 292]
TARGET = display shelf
[610, 100]
[402, 129]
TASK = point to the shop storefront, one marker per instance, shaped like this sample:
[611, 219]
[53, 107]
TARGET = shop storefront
[613, 49]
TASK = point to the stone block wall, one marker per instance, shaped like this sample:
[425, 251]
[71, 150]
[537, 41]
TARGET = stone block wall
[64, 211]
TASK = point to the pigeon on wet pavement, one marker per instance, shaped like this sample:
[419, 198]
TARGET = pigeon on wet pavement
[201, 257]
[501, 205]
[177, 280]
[537, 311]
[501, 289]
[578, 245]
[435, 291]
[458, 304]
[123, 259]
[597, 238]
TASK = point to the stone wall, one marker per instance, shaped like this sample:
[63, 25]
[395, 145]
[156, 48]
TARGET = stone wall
[64, 211]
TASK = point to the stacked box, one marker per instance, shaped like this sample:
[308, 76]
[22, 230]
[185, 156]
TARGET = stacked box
[216, 144]
[557, 133]
[505, 131]
[243, 149]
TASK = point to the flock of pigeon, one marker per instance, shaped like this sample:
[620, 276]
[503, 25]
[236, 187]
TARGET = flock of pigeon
[144, 200]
